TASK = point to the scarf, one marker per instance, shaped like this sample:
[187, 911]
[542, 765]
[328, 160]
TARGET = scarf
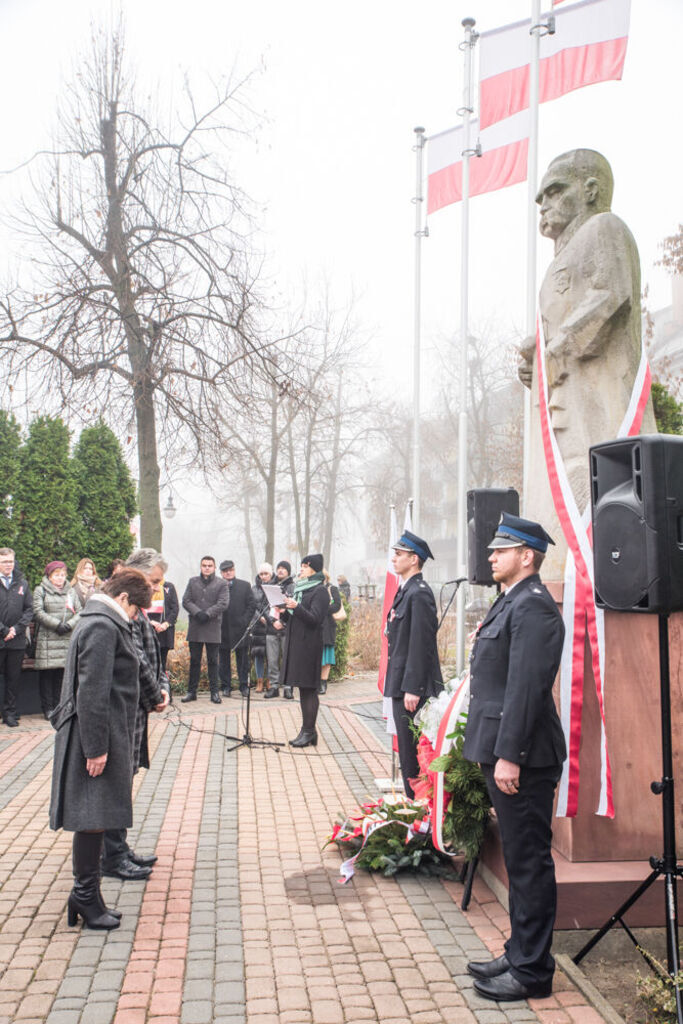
[307, 583]
[157, 605]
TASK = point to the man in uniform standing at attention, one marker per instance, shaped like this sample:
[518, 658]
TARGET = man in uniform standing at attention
[514, 731]
[413, 672]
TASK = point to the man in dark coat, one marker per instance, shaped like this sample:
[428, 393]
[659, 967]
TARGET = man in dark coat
[16, 612]
[234, 623]
[206, 597]
[413, 671]
[514, 731]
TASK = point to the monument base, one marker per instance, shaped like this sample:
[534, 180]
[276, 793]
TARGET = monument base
[588, 892]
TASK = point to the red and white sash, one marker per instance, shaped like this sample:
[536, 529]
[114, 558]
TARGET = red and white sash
[580, 614]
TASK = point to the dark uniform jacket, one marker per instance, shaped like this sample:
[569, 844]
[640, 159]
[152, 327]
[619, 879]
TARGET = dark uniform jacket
[413, 663]
[16, 609]
[238, 614]
[513, 665]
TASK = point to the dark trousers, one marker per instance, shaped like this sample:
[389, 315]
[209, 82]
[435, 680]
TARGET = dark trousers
[196, 665]
[241, 663]
[115, 846]
[407, 744]
[10, 668]
[524, 820]
[163, 653]
[50, 687]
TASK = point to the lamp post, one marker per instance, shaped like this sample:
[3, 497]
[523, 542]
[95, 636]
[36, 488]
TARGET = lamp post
[169, 508]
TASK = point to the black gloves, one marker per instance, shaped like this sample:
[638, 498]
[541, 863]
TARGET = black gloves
[202, 617]
[62, 628]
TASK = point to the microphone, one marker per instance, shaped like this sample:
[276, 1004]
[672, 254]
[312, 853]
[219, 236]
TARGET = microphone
[460, 579]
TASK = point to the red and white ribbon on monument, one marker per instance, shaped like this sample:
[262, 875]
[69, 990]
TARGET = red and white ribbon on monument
[580, 614]
[443, 745]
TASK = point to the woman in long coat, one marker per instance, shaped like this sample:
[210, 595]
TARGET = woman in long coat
[94, 746]
[303, 653]
[55, 609]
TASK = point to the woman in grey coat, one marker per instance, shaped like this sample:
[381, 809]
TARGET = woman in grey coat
[55, 609]
[94, 746]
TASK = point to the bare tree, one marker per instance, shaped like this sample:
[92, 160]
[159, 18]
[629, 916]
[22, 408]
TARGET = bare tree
[141, 303]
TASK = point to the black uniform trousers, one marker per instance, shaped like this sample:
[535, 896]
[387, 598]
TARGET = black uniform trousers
[10, 667]
[524, 820]
[241, 664]
[407, 744]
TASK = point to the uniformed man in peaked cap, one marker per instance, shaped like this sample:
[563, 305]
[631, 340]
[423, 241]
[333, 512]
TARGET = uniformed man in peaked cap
[514, 731]
[413, 672]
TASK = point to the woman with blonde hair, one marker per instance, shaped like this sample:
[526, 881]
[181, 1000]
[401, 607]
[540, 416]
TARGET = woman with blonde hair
[85, 580]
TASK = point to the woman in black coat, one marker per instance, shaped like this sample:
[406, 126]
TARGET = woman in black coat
[303, 653]
[95, 742]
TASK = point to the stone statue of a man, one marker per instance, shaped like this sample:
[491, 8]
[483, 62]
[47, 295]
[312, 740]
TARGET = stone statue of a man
[591, 318]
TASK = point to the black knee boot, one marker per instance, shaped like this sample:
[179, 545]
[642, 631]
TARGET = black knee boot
[85, 899]
[308, 737]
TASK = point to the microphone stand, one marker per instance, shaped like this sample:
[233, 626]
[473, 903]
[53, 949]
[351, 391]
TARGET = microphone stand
[247, 740]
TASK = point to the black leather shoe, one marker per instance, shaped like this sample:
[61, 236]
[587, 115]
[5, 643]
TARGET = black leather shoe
[274, 691]
[489, 968]
[188, 697]
[126, 870]
[305, 739]
[10, 720]
[244, 690]
[216, 698]
[505, 988]
[287, 693]
[142, 862]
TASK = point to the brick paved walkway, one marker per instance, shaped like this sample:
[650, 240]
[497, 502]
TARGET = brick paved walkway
[243, 919]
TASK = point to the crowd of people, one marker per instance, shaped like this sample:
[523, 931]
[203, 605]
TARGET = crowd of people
[101, 650]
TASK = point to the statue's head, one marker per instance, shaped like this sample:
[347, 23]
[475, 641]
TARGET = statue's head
[576, 184]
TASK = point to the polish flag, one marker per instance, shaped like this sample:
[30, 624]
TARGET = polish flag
[588, 46]
[503, 160]
[390, 588]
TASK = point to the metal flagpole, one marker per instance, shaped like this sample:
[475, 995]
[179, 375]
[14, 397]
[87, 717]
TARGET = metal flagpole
[466, 111]
[538, 29]
[420, 233]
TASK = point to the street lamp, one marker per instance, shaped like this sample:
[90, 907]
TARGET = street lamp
[169, 509]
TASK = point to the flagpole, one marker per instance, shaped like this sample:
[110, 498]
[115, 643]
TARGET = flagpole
[537, 29]
[420, 233]
[466, 111]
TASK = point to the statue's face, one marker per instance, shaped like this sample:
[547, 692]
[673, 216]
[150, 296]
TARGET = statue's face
[561, 198]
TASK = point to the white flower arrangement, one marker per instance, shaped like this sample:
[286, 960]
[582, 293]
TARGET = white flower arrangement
[428, 719]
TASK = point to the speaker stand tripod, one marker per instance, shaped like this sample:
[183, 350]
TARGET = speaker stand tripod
[247, 740]
[666, 866]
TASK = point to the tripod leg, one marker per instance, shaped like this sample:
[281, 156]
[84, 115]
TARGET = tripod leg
[616, 916]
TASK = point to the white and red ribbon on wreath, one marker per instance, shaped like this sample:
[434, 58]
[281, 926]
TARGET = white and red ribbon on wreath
[443, 744]
[581, 616]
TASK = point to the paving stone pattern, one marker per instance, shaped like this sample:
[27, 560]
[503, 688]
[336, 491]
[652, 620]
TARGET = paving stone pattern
[243, 920]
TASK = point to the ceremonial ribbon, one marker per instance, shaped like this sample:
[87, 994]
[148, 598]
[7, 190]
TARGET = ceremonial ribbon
[348, 868]
[443, 745]
[581, 615]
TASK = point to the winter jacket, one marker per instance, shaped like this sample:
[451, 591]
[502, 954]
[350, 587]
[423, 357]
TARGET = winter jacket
[329, 625]
[16, 609]
[101, 691]
[52, 607]
[211, 596]
[303, 653]
[170, 615]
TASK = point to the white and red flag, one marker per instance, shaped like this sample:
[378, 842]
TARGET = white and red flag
[503, 160]
[588, 46]
[390, 588]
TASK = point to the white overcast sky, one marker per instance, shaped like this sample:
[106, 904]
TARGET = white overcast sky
[339, 89]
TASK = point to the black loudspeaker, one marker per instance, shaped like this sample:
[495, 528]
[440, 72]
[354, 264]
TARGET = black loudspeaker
[637, 508]
[484, 506]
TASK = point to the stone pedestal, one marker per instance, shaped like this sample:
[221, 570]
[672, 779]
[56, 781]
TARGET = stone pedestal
[600, 861]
